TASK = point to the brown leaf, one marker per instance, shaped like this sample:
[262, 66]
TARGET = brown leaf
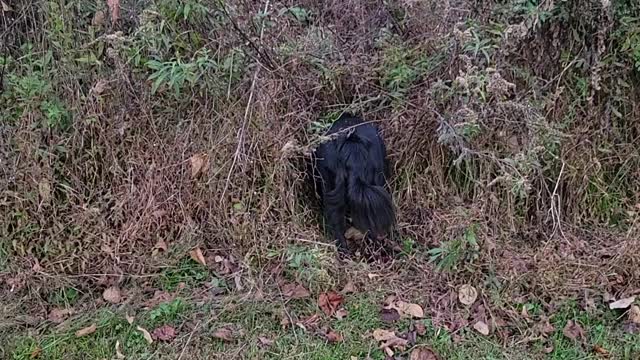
[44, 188]
[159, 297]
[544, 327]
[383, 335]
[86, 331]
[146, 334]
[341, 314]
[349, 288]
[420, 328]
[196, 255]
[129, 318]
[634, 314]
[199, 164]
[600, 350]
[329, 302]
[622, 303]
[423, 353]
[310, 322]
[295, 291]
[112, 295]
[57, 316]
[406, 309]
[481, 327]
[333, 337]
[573, 330]
[164, 333]
[224, 334]
[467, 294]
[265, 341]
[389, 315]
[114, 10]
[353, 234]
[98, 18]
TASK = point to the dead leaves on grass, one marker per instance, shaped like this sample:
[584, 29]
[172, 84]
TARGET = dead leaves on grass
[86, 331]
[404, 309]
[164, 333]
[389, 341]
[573, 330]
[197, 256]
[145, 334]
[112, 295]
[423, 353]
[114, 10]
[199, 164]
[57, 316]
[295, 291]
[622, 303]
[467, 294]
[224, 334]
[329, 302]
[481, 327]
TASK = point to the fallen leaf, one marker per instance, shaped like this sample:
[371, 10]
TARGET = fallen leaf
[295, 291]
[57, 316]
[548, 349]
[86, 331]
[114, 10]
[353, 234]
[372, 276]
[383, 335]
[333, 337]
[164, 333]
[622, 303]
[600, 350]
[406, 309]
[423, 353]
[224, 334]
[44, 188]
[218, 259]
[265, 341]
[146, 334]
[119, 355]
[634, 314]
[199, 164]
[631, 327]
[341, 314]
[112, 295]
[481, 327]
[36, 266]
[129, 318]
[545, 327]
[99, 87]
[389, 340]
[309, 323]
[349, 288]
[159, 297]
[573, 330]
[467, 294]
[329, 302]
[389, 315]
[420, 328]
[98, 18]
[196, 255]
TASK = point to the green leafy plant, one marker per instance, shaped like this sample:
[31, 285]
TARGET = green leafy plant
[451, 253]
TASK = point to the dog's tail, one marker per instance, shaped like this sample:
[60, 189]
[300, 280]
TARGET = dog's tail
[371, 207]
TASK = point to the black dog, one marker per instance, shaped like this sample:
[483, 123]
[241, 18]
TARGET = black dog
[352, 168]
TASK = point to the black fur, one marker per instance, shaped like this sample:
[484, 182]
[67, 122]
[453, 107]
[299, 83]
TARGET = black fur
[352, 170]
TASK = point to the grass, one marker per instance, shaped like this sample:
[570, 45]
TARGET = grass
[252, 320]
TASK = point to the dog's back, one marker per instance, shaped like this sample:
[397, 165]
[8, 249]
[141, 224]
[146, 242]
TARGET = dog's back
[352, 168]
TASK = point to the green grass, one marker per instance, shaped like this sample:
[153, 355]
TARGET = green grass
[254, 319]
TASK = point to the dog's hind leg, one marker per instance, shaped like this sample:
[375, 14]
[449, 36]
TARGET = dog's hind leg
[336, 221]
